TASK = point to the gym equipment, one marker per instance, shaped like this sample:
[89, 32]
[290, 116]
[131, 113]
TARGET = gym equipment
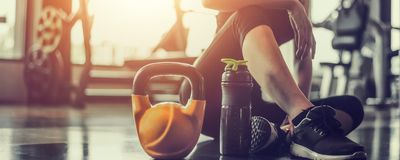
[87, 22]
[44, 65]
[379, 43]
[348, 26]
[43, 75]
[49, 29]
[376, 45]
[176, 37]
[235, 124]
[168, 130]
[361, 27]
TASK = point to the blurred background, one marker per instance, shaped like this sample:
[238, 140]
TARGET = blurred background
[66, 70]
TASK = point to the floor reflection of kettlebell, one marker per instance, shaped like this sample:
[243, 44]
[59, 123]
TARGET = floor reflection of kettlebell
[168, 130]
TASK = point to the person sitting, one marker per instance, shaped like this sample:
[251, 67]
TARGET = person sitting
[254, 31]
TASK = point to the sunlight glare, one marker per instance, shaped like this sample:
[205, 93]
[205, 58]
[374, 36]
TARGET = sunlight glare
[130, 22]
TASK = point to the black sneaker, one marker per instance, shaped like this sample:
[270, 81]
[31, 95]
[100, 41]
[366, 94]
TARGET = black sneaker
[318, 136]
[266, 137]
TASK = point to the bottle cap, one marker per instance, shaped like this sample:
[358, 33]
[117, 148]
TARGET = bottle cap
[232, 64]
[235, 71]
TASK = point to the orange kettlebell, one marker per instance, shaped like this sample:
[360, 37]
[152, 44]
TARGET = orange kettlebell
[168, 130]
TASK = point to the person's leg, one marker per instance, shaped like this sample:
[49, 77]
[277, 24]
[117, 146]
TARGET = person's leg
[267, 66]
[209, 64]
[277, 81]
[259, 48]
[253, 34]
[316, 134]
[227, 44]
[349, 110]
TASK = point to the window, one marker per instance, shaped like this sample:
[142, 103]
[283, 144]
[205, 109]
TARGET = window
[395, 23]
[122, 28]
[319, 11]
[395, 34]
[129, 29]
[12, 19]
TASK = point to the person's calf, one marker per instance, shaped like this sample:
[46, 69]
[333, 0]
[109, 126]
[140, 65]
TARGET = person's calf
[267, 66]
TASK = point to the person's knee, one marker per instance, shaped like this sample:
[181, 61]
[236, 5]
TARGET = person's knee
[248, 16]
[258, 33]
[253, 19]
[248, 13]
[257, 39]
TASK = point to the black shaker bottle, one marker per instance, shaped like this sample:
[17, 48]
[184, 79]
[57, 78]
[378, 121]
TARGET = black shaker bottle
[235, 125]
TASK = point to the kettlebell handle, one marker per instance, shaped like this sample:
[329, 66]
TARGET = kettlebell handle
[143, 76]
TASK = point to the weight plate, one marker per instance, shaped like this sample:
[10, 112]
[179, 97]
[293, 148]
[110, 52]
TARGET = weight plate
[43, 75]
[49, 29]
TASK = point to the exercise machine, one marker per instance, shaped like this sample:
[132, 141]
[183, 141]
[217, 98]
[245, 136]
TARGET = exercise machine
[366, 36]
[44, 69]
[348, 22]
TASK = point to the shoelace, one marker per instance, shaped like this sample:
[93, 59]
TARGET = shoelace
[323, 121]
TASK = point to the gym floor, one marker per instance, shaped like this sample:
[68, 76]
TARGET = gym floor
[102, 131]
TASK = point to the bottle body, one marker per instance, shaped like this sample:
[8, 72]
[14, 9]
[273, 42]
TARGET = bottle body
[235, 131]
[235, 124]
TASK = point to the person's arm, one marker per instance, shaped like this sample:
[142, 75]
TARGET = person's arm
[303, 68]
[303, 74]
[301, 24]
[306, 4]
[233, 5]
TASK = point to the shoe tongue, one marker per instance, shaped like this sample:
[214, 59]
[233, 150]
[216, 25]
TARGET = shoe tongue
[325, 115]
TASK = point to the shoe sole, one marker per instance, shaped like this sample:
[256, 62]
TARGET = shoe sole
[301, 151]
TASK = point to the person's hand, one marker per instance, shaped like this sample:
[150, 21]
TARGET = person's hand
[302, 29]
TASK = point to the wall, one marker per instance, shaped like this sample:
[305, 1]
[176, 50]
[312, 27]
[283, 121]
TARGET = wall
[12, 87]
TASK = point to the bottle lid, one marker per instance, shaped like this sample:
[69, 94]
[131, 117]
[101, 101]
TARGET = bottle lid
[232, 64]
[235, 71]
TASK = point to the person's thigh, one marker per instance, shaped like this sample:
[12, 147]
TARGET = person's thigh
[228, 44]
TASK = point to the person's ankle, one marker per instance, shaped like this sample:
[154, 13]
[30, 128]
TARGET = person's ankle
[294, 113]
[299, 115]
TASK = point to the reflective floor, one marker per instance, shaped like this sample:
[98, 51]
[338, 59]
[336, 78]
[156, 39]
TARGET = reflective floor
[107, 132]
